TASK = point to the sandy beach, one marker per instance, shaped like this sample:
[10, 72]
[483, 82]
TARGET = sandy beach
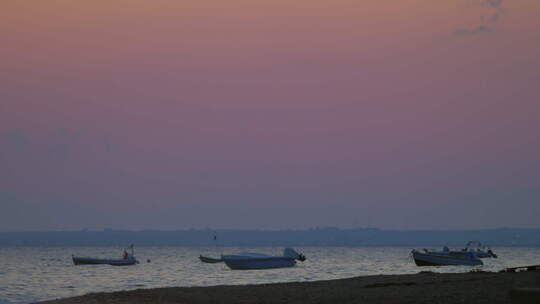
[481, 287]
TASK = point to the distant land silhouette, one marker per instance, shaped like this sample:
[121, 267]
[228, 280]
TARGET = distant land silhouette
[243, 238]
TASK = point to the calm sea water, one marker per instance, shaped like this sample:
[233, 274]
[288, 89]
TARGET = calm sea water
[34, 274]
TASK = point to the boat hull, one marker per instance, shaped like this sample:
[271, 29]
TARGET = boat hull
[259, 263]
[94, 261]
[430, 259]
[209, 260]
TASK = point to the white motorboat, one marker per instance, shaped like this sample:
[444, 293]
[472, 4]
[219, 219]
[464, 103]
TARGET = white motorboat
[445, 258]
[263, 261]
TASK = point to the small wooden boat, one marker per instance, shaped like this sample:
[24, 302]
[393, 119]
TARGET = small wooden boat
[445, 258]
[209, 259]
[113, 262]
[263, 261]
[127, 259]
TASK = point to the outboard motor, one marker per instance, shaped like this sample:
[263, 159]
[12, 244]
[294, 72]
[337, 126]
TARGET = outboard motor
[291, 253]
[491, 253]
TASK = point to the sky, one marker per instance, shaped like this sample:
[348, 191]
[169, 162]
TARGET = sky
[269, 114]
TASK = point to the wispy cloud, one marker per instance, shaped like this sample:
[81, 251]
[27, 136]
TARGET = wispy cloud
[487, 23]
[492, 3]
[496, 5]
[478, 30]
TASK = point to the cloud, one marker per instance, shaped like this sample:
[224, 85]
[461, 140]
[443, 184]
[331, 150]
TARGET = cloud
[479, 30]
[15, 139]
[492, 3]
[496, 5]
[487, 24]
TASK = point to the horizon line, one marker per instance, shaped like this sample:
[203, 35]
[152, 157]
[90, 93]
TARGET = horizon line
[270, 230]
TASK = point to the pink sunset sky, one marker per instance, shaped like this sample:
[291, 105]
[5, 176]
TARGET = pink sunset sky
[272, 114]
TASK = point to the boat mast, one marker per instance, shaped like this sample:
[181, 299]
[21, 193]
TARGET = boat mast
[217, 244]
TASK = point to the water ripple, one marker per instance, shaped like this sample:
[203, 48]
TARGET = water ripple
[32, 274]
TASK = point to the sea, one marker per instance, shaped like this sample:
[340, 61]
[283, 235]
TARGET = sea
[28, 275]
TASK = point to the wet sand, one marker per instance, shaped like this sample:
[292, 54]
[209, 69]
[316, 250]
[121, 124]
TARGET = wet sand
[429, 288]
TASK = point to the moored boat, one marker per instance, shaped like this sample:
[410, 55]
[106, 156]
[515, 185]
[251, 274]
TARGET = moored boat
[95, 261]
[127, 259]
[210, 260]
[445, 258]
[263, 261]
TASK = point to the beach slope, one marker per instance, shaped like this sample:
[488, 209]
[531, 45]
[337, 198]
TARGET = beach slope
[429, 288]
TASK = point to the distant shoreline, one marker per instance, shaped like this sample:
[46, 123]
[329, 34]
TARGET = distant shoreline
[321, 237]
[116, 246]
[481, 287]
